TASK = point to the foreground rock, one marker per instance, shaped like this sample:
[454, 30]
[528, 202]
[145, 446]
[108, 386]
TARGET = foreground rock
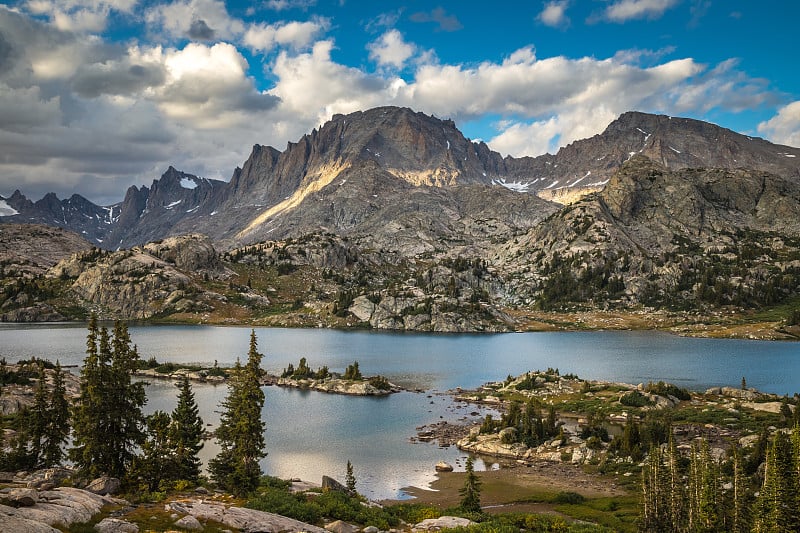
[246, 520]
[63, 506]
[115, 525]
[443, 522]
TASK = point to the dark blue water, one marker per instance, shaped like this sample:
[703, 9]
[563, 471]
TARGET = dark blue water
[310, 434]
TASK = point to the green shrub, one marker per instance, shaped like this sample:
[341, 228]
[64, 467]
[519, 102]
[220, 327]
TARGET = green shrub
[635, 399]
[568, 497]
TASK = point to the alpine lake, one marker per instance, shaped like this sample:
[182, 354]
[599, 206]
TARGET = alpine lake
[310, 434]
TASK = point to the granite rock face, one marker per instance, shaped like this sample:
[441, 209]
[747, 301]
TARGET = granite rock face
[361, 170]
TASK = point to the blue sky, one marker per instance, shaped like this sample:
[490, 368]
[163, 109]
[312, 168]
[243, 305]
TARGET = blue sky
[98, 95]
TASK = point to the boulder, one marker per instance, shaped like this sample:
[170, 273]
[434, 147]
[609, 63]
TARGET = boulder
[341, 527]
[442, 466]
[23, 525]
[370, 529]
[115, 525]
[104, 485]
[443, 522]
[328, 483]
[189, 522]
[22, 497]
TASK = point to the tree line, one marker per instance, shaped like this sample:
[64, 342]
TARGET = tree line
[701, 493]
[111, 435]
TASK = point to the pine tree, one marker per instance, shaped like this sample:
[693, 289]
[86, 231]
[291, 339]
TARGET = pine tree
[740, 516]
[471, 491]
[50, 446]
[156, 467]
[654, 507]
[38, 416]
[241, 430]
[776, 507]
[108, 417]
[350, 478]
[186, 433]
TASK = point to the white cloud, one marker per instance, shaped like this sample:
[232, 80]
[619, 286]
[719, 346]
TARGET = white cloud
[391, 50]
[76, 111]
[625, 10]
[176, 20]
[554, 14]
[783, 128]
[336, 88]
[264, 37]
[79, 15]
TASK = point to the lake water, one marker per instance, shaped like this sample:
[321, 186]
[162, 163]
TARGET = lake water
[310, 434]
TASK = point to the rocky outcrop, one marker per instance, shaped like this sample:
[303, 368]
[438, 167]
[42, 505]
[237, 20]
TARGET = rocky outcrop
[189, 253]
[246, 520]
[334, 385]
[443, 522]
[104, 485]
[62, 506]
[115, 525]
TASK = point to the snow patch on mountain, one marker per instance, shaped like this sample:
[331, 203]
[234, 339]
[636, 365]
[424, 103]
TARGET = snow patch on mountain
[6, 210]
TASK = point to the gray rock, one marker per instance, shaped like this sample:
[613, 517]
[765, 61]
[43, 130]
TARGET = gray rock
[246, 520]
[370, 529]
[443, 522]
[22, 497]
[442, 466]
[22, 525]
[115, 525]
[189, 522]
[328, 483]
[341, 527]
[104, 485]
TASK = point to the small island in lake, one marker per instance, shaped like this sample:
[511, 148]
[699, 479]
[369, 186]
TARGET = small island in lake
[351, 382]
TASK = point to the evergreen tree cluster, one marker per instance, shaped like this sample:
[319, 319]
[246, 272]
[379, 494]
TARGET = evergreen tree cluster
[41, 430]
[303, 371]
[107, 419]
[530, 428]
[709, 495]
[169, 453]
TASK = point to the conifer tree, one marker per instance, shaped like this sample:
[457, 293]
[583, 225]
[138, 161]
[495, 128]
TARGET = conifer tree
[471, 491]
[156, 464]
[186, 433]
[654, 509]
[49, 420]
[241, 430]
[38, 416]
[776, 507]
[350, 478]
[108, 418]
[740, 515]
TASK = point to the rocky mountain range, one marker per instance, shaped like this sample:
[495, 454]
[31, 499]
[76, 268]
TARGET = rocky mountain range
[362, 170]
[392, 219]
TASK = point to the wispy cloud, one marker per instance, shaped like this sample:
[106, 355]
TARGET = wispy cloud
[624, 10]
[444, 21]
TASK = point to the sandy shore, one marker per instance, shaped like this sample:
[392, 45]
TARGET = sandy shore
[509, 488]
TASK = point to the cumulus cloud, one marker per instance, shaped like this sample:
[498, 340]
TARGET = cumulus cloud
[783, 128]
[444, 22]
[264, 37]
[391, 50]
[199, 30]
[182, 17]
[79, 15]
[76, 111]
[625, 10]
[554, 14]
